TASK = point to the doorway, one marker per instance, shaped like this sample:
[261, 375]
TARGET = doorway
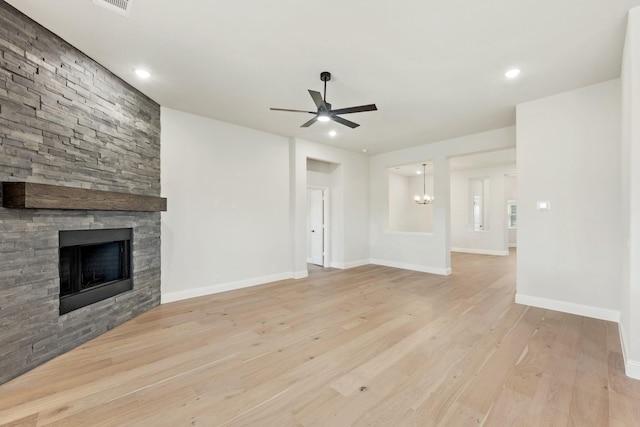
[478, 213]
[317, 226]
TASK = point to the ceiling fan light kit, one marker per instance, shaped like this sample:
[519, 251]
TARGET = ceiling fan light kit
[324, 111]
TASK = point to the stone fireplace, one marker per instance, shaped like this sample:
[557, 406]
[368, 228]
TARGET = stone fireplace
[67, 121]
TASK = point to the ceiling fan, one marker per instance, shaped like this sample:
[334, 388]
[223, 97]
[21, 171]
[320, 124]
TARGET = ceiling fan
[325, 113]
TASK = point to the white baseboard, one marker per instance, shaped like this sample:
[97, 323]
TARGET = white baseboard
[414, 267]
[222, 287]
[570, 307]
[513, 245]
[352, 264]
[631, 367]
[309, 260]
[480, 251]
[300, 274]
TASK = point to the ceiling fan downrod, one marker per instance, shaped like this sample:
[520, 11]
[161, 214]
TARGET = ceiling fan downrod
[325, 76]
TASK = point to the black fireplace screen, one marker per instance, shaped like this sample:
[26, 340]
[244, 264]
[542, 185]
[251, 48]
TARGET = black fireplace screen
[94, 265]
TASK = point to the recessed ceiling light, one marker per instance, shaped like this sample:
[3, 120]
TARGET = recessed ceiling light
[364, 150]
[333, 133]
[143, 74]
[418, 172]
[512, 74]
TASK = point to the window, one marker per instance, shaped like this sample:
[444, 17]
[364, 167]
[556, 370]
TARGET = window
[478, 222]
[478, 196]
[512, 213]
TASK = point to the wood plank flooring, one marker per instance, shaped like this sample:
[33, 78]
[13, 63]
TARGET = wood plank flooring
[370, 346]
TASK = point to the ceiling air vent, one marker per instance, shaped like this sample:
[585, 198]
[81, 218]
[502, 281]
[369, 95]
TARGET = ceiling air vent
[121, 7]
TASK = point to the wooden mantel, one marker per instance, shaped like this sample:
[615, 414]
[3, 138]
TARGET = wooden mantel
[28, 195]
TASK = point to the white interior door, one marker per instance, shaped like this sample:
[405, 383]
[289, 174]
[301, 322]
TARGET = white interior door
[316, 226]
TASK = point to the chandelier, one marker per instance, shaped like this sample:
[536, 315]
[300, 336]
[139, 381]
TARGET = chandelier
[425, 199]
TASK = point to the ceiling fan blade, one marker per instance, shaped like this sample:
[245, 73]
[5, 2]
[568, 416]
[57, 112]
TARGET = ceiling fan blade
[359, 109]
[344, 122]
[317, 98]
[310, 122]
[293, 111]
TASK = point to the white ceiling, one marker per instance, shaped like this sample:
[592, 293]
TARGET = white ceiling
[433, 67]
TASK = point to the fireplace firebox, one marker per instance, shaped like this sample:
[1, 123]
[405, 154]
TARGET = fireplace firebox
[94, 265]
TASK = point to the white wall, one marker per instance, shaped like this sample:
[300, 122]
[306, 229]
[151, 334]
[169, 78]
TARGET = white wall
[630, 185]
[349, 204]
[398, 196]
[318, 179]
[493, 240]
[227, 223]
[319, 173]
[569, 154]
[423, 251]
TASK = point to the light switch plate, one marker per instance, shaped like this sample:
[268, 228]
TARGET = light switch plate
[544, 206]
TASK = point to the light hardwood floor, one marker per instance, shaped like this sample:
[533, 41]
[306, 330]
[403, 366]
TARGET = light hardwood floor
[370, 346]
